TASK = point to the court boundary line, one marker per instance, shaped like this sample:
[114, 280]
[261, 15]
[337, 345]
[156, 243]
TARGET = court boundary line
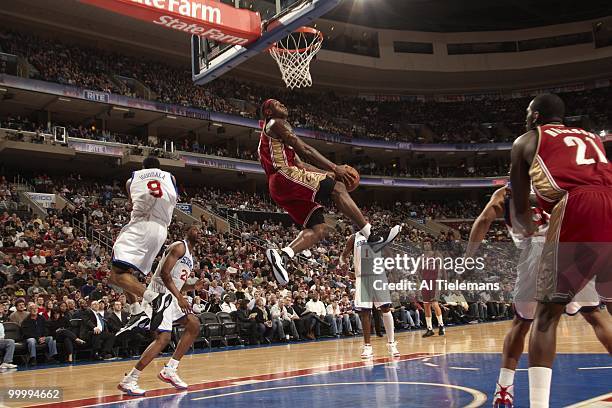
[218, 384]
[478, 397]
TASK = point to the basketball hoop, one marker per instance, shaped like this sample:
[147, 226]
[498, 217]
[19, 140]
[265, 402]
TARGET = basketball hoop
[294, 53]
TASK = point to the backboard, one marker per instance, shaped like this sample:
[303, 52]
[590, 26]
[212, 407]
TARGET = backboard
[210, 59]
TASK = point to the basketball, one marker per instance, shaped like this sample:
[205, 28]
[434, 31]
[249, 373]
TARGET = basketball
[351, 180]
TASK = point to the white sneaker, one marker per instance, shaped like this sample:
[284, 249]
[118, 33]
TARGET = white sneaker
[7, 366]
[129, 385]
[392, 347]
[170, 376]
[367, 352]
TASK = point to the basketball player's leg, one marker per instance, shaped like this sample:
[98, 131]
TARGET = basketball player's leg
[439, 318]
[168, 373]
[316, 230]
[542, 350]
[345, 203]
[514, 343]
[387, 318]
[601, 323]
[129, 384]
[429, 332]
[366, 322]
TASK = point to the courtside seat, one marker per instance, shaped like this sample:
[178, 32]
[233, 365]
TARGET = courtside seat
[230, 328]
[211, 329]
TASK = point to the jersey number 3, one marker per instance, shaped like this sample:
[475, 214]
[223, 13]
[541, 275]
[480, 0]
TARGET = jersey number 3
[581, 159]
[155, 189]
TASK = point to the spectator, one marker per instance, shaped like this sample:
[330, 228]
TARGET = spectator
[19, 315]
[34, 329]
[95, 331]
[7, 346]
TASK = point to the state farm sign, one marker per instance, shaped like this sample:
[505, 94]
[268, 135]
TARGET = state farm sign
[206, 18]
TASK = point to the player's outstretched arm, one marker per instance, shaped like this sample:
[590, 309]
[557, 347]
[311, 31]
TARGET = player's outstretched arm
[281, 130]
[523, 153]
[494, 209]
[176, 252]
[348, 249]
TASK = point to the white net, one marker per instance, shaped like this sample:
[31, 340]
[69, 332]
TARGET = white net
[294, 54]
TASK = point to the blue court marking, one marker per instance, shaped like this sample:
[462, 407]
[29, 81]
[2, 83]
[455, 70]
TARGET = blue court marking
[452, 380]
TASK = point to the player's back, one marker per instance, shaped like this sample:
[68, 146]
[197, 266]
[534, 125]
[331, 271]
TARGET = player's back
[568, 158]
[153, 195]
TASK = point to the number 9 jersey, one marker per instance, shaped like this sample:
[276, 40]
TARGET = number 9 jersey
[153, 196]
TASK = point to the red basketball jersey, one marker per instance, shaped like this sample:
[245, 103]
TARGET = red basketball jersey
[567, 158]
[274, 154]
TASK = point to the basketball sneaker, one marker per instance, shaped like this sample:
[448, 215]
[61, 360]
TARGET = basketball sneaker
[441, 331]
[378, 241]
[277, 261]
[366, 351]
[392, 348]
[159, 306]
[129, 385]
[503, 397]
[170, 376]
[428, 333]
[140, 320]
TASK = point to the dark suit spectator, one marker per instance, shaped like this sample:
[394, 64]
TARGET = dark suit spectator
[87, 288]
[246, 321]
[94, 330]
[34, 329]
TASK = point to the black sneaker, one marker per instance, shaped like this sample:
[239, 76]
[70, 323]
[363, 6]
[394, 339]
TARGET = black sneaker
[441, 331]
[159, 305]
[377, 241]
[138, 320]
[278, 261]
[428, 333]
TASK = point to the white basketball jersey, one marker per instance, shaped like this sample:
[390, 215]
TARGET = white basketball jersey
[358, 252]
[153, 196]
[180, 271]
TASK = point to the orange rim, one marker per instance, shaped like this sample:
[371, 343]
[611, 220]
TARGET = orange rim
[304, 29]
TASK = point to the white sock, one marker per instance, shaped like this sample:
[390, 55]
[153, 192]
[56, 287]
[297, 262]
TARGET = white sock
[173, 364]
[134, 373]
[539, 386]
[428, 321]
[389, 329]
[135, 308]
[365, 231]
[506, 377]
[289, 252]
[440, 321]
[149, 295]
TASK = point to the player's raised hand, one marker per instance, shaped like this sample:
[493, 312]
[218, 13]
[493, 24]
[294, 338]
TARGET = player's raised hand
[341, 172]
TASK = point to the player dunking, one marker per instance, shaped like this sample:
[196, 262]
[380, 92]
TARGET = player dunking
[170, 276]
[572, 179]
[366, 298]
[430, 274]
[500, 205]
[300, 188]
[152, 193]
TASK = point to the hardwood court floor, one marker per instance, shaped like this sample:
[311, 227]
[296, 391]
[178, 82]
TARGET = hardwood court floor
[94, 383]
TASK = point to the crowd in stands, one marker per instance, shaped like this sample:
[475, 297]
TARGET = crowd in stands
[51, 275]
[473, 121]
[366, 166]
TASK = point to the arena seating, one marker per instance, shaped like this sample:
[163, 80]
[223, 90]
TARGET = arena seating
[413, 121]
